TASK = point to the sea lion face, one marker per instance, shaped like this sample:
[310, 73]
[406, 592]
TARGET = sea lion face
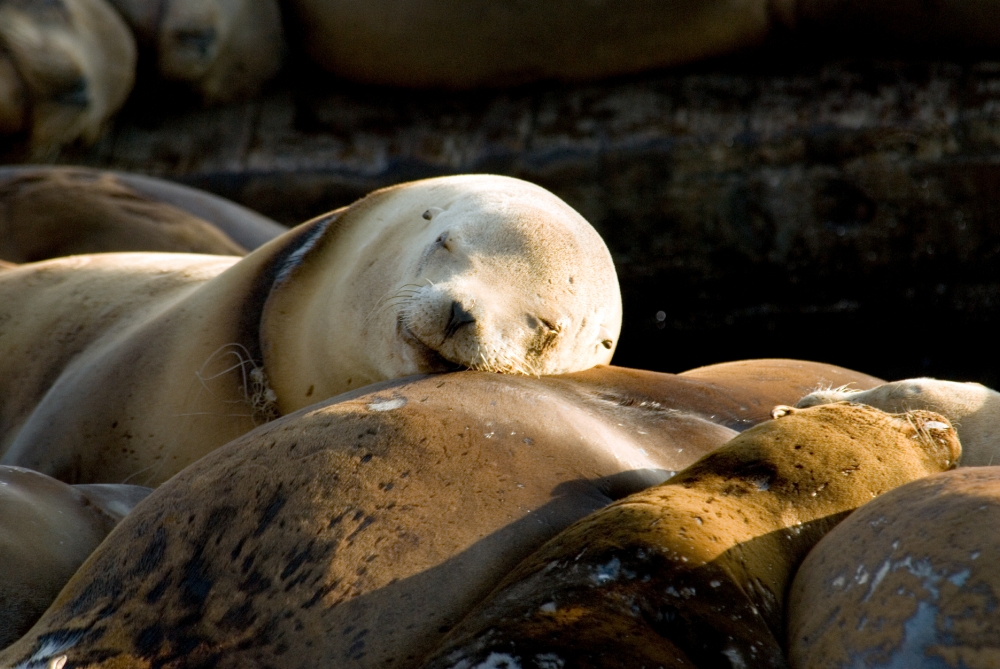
[478, 272]
[500, 288]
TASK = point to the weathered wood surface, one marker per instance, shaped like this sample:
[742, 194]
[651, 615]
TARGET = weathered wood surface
[841, 211]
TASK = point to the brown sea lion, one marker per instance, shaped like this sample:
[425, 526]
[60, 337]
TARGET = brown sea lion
[972, 408]
[355, 533]
[908, 581]
[475, 43]
[47, 530]
[51, 212]
[161, 211]
[694, 572]
[123, 365]
[223, 49]
[66, 66]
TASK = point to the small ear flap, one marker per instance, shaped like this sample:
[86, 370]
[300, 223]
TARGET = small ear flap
[782, 410]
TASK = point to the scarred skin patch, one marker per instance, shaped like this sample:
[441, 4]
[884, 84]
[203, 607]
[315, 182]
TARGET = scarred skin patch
[907, 581]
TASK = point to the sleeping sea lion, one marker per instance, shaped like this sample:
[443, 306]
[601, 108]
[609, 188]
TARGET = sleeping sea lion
[355, 532]
[66, 66]
[694, 572]
[972, 408]
[47, 530]
[124, 365]
[910, 580]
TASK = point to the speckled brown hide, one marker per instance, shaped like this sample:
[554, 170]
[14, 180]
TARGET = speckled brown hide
[908, 581]
[694, 572]
[357, 532]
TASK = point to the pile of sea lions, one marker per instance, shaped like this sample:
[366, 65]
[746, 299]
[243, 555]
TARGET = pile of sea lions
[67, 66]
[391, 437]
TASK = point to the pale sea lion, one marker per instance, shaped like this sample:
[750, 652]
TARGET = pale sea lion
[354, 533]
[972, 408]
[47, 530]
[66, 66]
[46, 213]
[910, 580]
[694, 572]
[124, 365]
[223, 49]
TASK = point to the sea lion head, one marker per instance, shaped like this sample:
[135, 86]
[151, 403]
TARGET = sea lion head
[478, 272]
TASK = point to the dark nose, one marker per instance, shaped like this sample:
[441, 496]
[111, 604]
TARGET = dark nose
[459, 317]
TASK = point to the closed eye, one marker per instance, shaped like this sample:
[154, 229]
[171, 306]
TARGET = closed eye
[443, 241]
[548, 325]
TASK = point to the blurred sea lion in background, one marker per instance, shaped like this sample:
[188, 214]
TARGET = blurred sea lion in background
[66, 66]
[46, 212]
[223, 50]
[47, 530]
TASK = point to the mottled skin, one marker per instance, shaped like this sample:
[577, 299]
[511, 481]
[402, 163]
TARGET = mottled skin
[46, 213]
[694, 572]
[972, 408]
[128, 367]
[47, 530]
[910, 580]
[355, 533]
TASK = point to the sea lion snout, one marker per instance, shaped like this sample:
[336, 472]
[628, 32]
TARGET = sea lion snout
[936, 434]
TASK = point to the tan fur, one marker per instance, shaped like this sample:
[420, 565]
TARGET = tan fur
[53, 212]
[694, 572]
[75, 60]
[47, 530]
[909, 580]
[131, 366]
[974, 410]
[354, 533]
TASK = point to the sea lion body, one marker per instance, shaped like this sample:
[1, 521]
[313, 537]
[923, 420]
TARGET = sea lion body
[47, 212]
[909, 580]
[47, 530]
[355, 532]
[468, 44]
[694, 572]
[972, 408]
[159, 358]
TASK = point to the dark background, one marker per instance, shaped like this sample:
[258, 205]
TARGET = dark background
[764, 205]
